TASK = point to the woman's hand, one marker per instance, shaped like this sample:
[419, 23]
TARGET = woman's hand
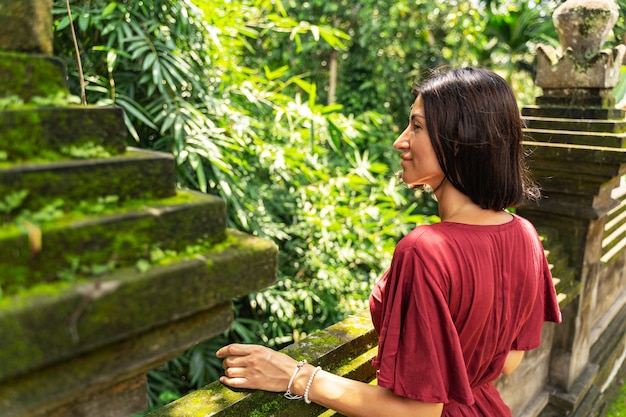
[256, 367]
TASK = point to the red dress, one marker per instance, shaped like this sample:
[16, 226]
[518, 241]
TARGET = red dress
[455, 300]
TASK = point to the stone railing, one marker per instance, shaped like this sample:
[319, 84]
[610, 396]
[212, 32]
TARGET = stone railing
[346, 348]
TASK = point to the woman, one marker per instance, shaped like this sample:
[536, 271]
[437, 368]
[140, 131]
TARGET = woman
[463, 298]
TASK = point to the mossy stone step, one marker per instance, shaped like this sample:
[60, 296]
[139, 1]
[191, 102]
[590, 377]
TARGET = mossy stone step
[573, 112]
[50, 391]
[135, 174]
[607, 139]
[586, 125]
[38, 75]
[614, 240]
[59, 132]
[584, 186]
[53, 322]
[568, 153]
[80, 241]
[346, 348]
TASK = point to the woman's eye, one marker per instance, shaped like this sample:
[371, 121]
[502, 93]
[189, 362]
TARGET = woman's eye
[416, 127]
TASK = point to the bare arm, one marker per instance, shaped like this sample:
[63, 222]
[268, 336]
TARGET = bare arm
[512, 361]
[258, 367]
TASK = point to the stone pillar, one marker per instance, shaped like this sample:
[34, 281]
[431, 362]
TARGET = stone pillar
[575, 137]
[26, 26]
[26, 51]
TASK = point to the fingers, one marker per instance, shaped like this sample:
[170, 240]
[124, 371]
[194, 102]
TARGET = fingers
[236, 349]
[234, 362]
[234, 382]
[255, 367]
[223, 351]
[234, 372]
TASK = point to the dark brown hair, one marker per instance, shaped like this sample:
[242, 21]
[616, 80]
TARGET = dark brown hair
[476, 130]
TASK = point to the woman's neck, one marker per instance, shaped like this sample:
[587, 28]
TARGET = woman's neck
[454, 206]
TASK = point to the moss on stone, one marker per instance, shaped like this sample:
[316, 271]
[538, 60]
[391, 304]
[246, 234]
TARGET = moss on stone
[339, 349]
[27, 76]
[128, 177]
[65, 380]
[43, 132]
[120, 238]
[125, 301]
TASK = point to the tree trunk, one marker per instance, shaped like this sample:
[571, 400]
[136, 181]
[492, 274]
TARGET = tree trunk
[332, 82]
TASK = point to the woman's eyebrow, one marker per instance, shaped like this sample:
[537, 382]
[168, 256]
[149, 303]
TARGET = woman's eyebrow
[416, 115]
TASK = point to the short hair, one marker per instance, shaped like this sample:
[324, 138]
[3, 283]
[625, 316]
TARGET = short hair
[475, 128]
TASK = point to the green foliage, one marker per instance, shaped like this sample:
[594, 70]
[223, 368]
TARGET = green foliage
[88, 150]
[13, 201]
[10, 102]
[616, 397]
[394, 44]
[76, 269]
[101, 205]
[49, 212]
[240, 93]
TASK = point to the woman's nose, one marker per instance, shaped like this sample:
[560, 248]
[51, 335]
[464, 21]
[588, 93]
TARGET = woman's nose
[401, 143]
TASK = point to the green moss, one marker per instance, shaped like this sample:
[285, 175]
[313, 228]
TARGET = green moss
[27, 76]
[20, 353]
[265, 409]
[104, 243]
[86, 184]
[124, 301]
[44, 131]
[34, 292]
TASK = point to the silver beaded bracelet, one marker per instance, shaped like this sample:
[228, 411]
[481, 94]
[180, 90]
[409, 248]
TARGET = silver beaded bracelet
[289, 395]
[308, 385]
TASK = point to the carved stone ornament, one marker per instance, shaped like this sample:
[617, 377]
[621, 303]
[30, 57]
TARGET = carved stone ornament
[580, 62]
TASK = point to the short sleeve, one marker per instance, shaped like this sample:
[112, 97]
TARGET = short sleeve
[419, 353]
[545, 308]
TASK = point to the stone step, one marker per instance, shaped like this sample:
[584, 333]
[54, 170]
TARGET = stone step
[563, 274]
[579, 170]
[53, 322]
[580, 401]
[573, 112]
[576, 125]
[38, 75]
[577, 183]
[78, 243]
[607, 140]
[110, 381]
[614, 239]
[52, 133]
[582, 185]
[135, 174]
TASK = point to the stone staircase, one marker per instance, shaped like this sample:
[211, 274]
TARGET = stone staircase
[564, 276]
[107, 269]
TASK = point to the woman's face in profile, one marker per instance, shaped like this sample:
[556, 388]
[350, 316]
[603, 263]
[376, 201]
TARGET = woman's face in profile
[419, 161]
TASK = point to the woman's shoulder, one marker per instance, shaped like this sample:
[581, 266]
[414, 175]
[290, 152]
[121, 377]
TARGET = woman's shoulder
[424, 237]
[436, 236]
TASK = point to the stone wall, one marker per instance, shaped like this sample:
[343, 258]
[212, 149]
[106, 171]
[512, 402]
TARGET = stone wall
[107, 270]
